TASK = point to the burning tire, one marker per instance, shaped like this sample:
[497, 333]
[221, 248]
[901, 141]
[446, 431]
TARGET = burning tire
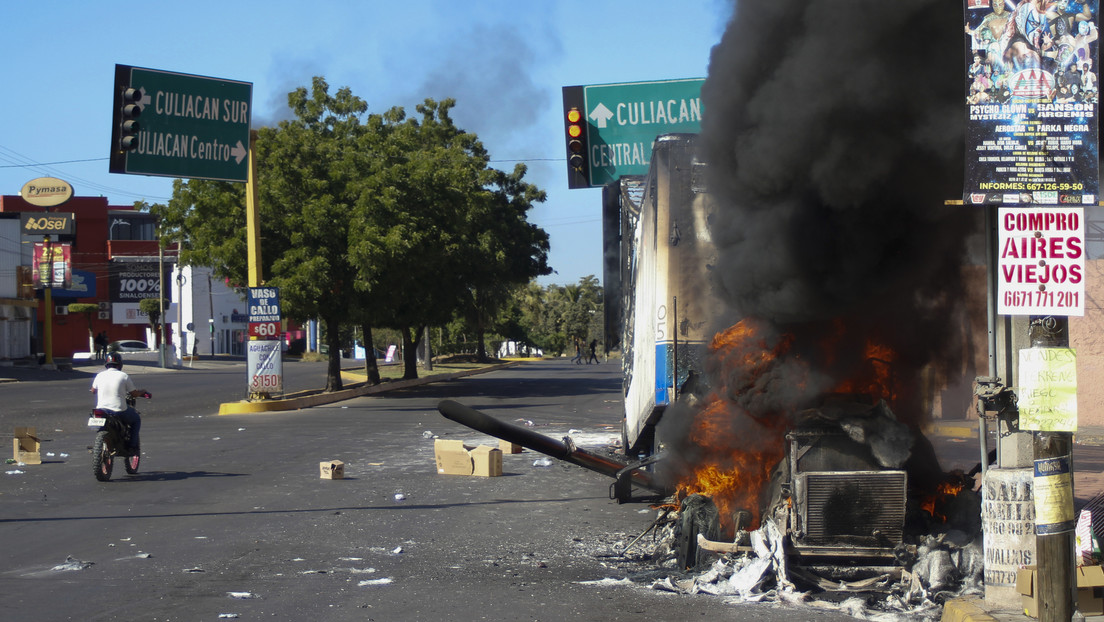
[697, 514]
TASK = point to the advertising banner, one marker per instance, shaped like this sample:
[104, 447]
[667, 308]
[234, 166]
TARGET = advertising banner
[1041, 257]
[1032, 103]
[134, 281]
[264, 313]
[51, 265]
[266, 371]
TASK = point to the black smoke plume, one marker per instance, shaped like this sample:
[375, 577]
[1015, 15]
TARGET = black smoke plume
[834, 133]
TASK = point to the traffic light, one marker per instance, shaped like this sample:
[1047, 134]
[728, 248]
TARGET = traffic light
[576, 156]
[131, 110]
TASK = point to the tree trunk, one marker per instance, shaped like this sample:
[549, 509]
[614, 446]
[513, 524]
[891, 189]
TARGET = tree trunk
[410, 353]
[333, 370]
[371, 370]
[480, 329]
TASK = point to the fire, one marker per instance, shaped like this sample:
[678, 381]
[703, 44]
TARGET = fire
[876, 379]
[732, 467]
[738, 436]
[733, 451]
[934, 503]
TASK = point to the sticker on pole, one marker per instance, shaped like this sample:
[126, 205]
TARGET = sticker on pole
[1041, 261]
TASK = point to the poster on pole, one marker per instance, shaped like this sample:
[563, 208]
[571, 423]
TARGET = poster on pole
[1047, 389]
[1032, 103]
[266, 369]
[1041, 261]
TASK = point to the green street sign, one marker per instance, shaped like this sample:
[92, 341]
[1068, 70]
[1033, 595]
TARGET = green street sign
[622, 120]
[180, 125]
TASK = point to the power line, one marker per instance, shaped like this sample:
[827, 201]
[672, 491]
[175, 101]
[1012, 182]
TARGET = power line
[52, 163]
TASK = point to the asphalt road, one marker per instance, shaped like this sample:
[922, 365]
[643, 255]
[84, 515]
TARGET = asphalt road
[229, 518]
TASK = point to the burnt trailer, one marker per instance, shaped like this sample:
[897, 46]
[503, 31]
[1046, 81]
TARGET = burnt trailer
[658, 300]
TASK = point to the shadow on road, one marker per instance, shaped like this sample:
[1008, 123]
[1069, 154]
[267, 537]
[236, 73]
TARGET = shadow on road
[170, 476]
[329, 510]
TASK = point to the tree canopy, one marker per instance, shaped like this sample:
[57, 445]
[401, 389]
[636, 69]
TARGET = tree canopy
[368, 219]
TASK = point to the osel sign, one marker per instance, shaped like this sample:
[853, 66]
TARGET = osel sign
[46, 191]
[53, 223]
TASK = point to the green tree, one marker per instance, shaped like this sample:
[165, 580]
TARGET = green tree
[86, 309]
[505, 251]
[308, 181]
[443, 227]
[365, 219]
[152, 308]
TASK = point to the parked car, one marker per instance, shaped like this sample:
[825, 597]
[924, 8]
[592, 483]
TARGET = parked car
[128, 345]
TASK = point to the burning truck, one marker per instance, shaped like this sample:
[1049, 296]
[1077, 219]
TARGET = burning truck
[739, 414]
[738, 430]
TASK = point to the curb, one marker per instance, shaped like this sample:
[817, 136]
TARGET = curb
[977, 609]
[966, 610]
[318, 399]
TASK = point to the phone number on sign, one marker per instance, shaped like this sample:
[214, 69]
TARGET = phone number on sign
[1060, 300]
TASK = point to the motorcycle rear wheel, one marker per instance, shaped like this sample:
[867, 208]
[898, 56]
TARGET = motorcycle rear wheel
[101, 457]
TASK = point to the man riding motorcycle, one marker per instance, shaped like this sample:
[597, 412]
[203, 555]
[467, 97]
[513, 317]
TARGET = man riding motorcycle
[112, 386]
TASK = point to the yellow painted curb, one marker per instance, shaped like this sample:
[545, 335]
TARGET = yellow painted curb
[318, 399]
[966, 610]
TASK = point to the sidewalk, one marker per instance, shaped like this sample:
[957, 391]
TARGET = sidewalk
[144, 361]
[1088, 451]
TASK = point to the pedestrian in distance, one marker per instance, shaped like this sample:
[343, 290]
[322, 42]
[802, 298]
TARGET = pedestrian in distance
[593, 353]
[578, 360]
[101, 345]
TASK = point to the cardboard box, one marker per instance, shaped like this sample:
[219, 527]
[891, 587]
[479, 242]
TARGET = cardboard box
[456, 458]
[332, 469]
[486, 461]
[1029, 594]
[509, 448]
[1090, 590]
[452, 457]
[26, 446]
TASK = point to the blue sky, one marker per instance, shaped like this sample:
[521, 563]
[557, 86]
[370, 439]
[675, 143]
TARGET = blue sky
[503, 61]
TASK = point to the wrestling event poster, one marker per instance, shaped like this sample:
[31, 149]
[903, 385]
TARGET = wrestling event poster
[1032, 102]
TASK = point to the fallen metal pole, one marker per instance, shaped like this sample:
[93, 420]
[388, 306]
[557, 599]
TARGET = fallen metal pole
[548, 446]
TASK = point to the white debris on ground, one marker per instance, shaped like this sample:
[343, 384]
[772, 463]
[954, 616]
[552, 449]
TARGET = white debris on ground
[72, 564]
[242, 595]
[942, 567]
[380, 581]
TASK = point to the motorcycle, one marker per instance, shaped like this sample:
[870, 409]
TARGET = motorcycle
[112, 441]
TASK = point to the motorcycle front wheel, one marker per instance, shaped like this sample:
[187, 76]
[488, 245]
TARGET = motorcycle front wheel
[101, 457]
[131, 463]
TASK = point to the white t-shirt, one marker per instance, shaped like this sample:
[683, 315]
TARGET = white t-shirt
[112, 386]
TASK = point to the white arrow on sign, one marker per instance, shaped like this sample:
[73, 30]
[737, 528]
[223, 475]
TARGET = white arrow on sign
[601, 115]
[238, 152]
[144, 100]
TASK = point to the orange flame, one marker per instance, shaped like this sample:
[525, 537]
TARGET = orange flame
[737, 449]
[935, 502]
